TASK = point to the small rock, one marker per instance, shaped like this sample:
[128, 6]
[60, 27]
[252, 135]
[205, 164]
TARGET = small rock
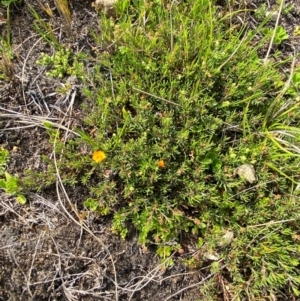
[212, 255]
[247, 172]
[226, 239]
[272, 14]
[107, 6]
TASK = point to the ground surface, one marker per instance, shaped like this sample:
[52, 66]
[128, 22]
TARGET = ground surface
[44, 254]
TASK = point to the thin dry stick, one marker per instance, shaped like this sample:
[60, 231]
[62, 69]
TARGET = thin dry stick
[31, 266]
[67, 294]
[273, 223]
[274, 33]
[270, 233]
[146, 279]
[130, 289]
[225, 290]
[60, 188]
[20, 45]
[257, 235]
[233, 53]
[195, 284]
[160, 98]
[286, 86]
[121, 36]
[24, 65]
[33, 121]
[7, 247]
[59, 185]
[5, 205]
[250, 188]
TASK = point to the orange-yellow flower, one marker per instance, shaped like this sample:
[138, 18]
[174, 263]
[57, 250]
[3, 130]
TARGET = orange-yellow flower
[98, 156]
[161, 164]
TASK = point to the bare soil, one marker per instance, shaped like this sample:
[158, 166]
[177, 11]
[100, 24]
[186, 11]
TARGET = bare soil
[44, 253]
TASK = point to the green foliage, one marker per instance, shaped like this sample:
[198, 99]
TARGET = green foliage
[8, 182]
[44, 29]
[94, 205]
[6, 64]
[62, 63]
[9, 2]
[295, 84]
[10, 185]
[188, 101]
[261, 11]
[287, 8]
[52, 132]
[4, 155]
[6, 52]
[297, 31]
[280, 34]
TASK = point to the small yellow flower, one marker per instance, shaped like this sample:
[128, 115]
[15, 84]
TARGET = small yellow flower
[161, 164]
[98, 156]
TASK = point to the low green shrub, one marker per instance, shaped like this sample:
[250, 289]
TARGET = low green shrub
[186, 106]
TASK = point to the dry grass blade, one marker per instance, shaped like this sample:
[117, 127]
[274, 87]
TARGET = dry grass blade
[62, 194]
[7, 66]
[195, 284]
[32, 265]
[46, 8]
[64, 11]
[156, 272]
[61, 191]
[155, 96]
[33, 121]
[2, 19]
[63, 8]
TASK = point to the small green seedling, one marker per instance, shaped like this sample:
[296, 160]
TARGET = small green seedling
[91, 204]
[280, 34]
[287, 9]
[10, 185]
[61, 64]
[212, 160]
[261, 12]
[95, 206]
[294, 88]
[9, 2]
[3, 160]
